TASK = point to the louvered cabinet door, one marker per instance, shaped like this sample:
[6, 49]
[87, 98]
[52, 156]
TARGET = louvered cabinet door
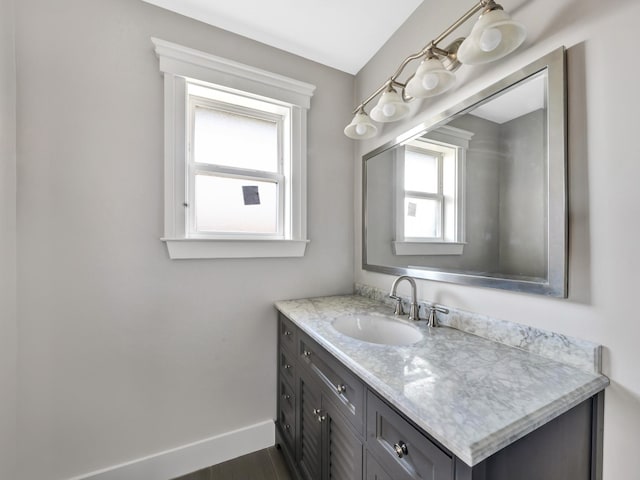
[310, 423]
[343, 449]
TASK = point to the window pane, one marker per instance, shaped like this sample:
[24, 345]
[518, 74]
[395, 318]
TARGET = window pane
[420, 172]
[421, 218]
[229, 205]
[233, 140]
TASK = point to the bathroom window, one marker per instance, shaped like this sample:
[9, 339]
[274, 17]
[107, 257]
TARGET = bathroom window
[429, 202]
[237, 166]
[235, 158]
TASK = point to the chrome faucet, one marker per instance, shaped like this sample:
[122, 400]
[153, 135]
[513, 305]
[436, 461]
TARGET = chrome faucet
[413, 309]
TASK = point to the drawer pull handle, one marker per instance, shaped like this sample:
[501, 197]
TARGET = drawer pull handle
[340, 388]
[401, 449]
[307, 353]
[287, 333]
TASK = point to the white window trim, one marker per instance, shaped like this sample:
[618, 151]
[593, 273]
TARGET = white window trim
[451, 137]
[177, 64]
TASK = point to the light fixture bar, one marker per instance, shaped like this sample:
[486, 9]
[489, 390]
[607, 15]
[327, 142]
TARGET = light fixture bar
[431, 46]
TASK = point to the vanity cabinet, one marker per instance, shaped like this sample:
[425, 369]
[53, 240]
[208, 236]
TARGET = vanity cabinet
[321, 419]
[331, 425]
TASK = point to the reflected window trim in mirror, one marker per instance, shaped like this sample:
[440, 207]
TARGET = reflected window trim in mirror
[554, 204]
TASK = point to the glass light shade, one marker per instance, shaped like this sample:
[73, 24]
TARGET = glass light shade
[390, 107]
[361, 127]
[431, 78]
[493, 36]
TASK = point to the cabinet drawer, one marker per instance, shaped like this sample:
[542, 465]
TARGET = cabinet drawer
[402, 450]
[287, 398]
[287, 366]
[287, 333]
[344, 389]
[286, 419]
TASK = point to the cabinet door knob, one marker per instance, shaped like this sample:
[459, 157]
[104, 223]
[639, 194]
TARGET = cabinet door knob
[287, 427]
[287, 366]
[401, 449]
[319, 415]
[340, 388]
[307, 353]
[287, 333]
[286, 396]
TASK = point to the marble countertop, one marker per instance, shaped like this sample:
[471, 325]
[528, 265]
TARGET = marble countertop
[473, 395]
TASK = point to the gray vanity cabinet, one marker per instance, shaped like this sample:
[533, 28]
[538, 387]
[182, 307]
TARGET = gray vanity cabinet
[330, 425]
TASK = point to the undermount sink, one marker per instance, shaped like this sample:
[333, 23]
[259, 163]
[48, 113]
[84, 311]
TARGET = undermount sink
[377, 329]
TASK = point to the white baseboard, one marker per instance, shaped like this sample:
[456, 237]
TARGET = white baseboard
[188, 458]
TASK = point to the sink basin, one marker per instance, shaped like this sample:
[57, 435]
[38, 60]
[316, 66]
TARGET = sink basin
[377, 329]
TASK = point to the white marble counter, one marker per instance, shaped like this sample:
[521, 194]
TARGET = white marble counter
[473, 395]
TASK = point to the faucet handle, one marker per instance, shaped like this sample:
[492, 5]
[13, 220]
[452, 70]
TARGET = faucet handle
[398, 308]
[431, 309]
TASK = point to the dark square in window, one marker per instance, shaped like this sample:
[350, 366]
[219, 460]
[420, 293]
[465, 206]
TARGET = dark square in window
[251, 195]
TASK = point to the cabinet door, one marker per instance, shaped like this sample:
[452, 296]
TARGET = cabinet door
[309, 427]
[342, 447]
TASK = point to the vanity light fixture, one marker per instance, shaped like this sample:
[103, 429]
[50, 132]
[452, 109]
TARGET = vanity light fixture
[494, 36]
[431, 78]
[361, 126]
[390, 107]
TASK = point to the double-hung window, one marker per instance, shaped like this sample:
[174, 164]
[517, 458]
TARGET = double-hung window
[235, 158]
[236, 170]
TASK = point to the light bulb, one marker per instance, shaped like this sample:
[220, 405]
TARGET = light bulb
[388, 110]
[490, 39]
[361, 129]
[430, 81]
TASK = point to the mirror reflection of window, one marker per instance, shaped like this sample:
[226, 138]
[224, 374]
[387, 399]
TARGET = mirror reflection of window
[423, 199]
[429, 173]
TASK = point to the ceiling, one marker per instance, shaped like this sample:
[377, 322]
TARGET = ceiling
[527, 97]
[343, 34]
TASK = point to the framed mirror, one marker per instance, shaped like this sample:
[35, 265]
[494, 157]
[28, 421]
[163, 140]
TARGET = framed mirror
[477, 195]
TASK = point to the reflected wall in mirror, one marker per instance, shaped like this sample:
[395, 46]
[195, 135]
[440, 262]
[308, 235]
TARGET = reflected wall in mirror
[478, 194]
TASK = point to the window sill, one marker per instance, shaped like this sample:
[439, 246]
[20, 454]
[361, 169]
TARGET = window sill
[194, 248]
[428, 248]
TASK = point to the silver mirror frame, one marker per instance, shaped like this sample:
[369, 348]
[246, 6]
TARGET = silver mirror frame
[556, 282]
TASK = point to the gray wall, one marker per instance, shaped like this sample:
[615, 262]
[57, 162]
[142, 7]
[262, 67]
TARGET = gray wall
[603, 195]
[123, 352]
[523, 204]
[8, 336]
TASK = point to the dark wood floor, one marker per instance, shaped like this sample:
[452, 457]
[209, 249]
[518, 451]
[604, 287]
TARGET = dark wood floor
[265, 464]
